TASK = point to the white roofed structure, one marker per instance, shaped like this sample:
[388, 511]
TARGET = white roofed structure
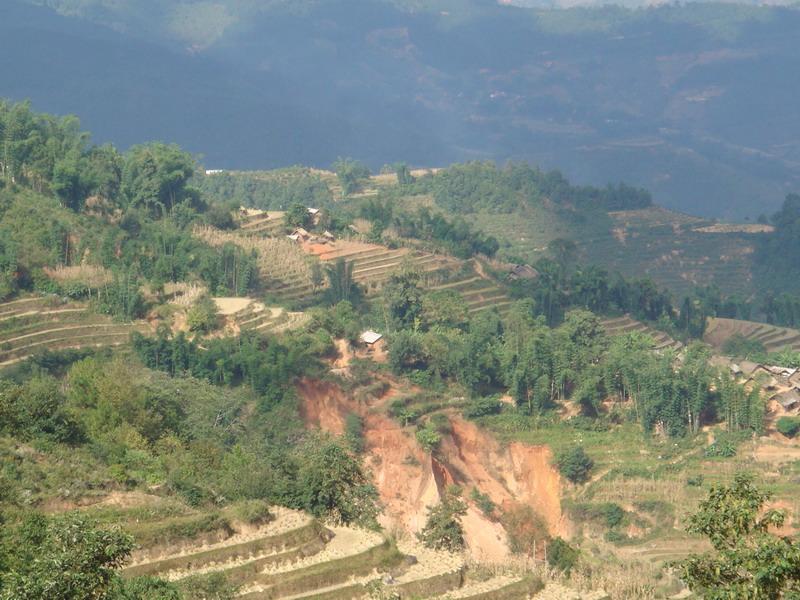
[371, 337]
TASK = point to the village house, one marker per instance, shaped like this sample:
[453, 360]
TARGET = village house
[522, 272]
[299, 235]
[370, 338]
[789, 400]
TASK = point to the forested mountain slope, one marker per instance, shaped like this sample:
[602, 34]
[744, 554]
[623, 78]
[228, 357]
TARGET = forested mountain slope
[670, 98]
[160, 443]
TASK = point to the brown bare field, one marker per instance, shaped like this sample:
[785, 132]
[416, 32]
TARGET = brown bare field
[736, 228]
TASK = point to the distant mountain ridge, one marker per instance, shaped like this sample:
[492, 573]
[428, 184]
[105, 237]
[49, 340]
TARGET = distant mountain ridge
[694, 102]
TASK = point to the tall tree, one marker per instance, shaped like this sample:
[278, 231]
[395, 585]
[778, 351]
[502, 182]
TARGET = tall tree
[748, 561]
[342, 287]
[154, 177]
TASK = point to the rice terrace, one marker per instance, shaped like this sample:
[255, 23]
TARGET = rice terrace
[470, 300]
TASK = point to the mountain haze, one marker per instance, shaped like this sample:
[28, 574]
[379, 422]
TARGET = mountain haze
[670, 98]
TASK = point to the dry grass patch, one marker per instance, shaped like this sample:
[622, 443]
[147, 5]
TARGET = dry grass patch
[278, 258]
[89, 275]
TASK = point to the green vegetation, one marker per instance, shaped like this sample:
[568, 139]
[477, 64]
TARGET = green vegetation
[202, 316]
[64, 558]
[575, 465]
[483, 501]
[210, 425]
[443, 529]
[561, 555]
[741, 347]
[273, 190]
[788, 426]
[351, 174]
[748, 561]
[479, 186]
[69, 205]
[334, 485]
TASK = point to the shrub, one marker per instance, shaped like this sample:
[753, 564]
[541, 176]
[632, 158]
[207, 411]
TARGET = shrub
[62, 558]
[145, 588]
[400, 410]
[482, 407]
[561, 556]
[574, 464]
[720, 449]
[788, 426]
[202, 316]
[440, 423]
[483, 501]
[354, 432]
[428, 437]
[214, 586]
[583, 423]
[525, 528]
[253, 512]
[333, 484]
[443, 530]
[658, 508]
[741, 347]
[612, 513]
[615, 537]
[695, 480]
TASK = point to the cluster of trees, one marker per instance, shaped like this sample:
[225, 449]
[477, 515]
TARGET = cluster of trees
[272, 191]
[434, 339]
[561, 286]
[478, 186]
[783, 309]
[51, 154]
[267, 365]
[454, 234]
[65, 202]
[213, 425]
[779, 253]
[351, 174]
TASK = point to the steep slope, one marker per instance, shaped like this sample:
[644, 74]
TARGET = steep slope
[773, 338]
[410, 480]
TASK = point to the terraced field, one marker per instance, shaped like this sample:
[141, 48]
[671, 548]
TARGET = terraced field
[35, 324]
[373, 264]
[294, 556]
[478, 292]
[772, 337]
[255, 316]
[626, 324]
[283, 267]
[263, 223]
[678, 251]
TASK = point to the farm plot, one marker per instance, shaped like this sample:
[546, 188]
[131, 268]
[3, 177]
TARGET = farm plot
[291, 555]
[249, 315]
[772, 337]
[626, 324]
[283, 267]
[479, 293]
[373, 265]
[32, 325]
[261, 223]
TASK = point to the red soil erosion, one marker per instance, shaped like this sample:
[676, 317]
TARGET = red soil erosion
[410, 480]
